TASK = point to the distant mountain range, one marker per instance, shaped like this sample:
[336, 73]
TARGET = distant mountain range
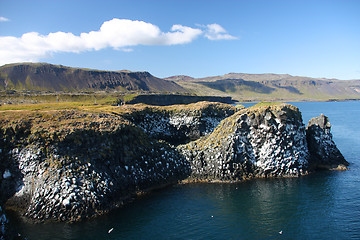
[48, 77]
[243, 86]
[240, 86]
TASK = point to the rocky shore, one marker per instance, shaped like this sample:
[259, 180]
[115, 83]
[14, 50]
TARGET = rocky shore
[68, 165]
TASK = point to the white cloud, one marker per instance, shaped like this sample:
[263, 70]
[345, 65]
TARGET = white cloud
[119, 34]
[127, 49]
[4, 19]
[181, 34]
[216, 32]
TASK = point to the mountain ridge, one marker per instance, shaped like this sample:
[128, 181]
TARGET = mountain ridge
[249, 76]
[270, 86]
[49, 77]
[240, 86]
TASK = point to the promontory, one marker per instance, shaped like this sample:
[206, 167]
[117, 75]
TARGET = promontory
[72, 163]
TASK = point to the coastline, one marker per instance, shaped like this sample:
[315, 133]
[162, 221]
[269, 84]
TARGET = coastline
[65, 158]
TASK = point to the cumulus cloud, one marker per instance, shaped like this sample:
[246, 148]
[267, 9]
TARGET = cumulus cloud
[4, 19]
[119, 34]
[216, 32]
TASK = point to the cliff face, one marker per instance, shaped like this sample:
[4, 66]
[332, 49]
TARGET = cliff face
[71, 165]
[267, 141]
[81, 164]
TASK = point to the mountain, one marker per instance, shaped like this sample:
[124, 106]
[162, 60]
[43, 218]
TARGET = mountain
[243, 86]
[48, 77]
[179, 78]
[239, 86]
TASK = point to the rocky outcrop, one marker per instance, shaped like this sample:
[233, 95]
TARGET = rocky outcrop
[70, 165]
[264, 141]
[267, 141]
[324, 153]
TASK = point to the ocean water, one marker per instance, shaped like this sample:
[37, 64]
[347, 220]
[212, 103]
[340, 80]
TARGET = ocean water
[324, 205]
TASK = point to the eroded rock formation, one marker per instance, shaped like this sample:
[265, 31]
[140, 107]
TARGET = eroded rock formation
[323, 151]
[267, 141]
[71, 165]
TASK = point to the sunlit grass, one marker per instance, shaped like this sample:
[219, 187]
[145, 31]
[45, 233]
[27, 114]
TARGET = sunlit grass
[265, 104]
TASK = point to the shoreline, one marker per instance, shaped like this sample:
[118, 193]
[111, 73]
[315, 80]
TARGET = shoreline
[65, 181]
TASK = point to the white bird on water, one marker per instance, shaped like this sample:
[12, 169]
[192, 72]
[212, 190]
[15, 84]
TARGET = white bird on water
[280, 232]
[110, 230]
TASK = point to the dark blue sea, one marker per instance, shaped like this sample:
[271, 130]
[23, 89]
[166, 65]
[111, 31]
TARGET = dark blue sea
[325, 205]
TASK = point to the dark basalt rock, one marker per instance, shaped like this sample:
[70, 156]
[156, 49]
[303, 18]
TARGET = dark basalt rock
[3, 225]
[324, 153]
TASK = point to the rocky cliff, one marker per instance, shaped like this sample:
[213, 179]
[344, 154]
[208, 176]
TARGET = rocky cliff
[67, 165]
[264, 141]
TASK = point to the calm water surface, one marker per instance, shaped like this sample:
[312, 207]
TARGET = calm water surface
[325, 205]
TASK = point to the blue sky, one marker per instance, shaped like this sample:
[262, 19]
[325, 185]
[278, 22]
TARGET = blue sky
[198, 38]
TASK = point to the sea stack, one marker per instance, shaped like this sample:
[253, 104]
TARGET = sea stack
[324, 153]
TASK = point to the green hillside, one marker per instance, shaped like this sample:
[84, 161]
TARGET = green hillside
[272, 87]
[43, 77]
[48, 77]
